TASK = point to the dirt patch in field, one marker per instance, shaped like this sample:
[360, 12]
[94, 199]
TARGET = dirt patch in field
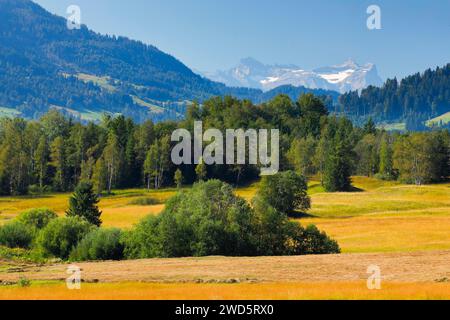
[399, 267]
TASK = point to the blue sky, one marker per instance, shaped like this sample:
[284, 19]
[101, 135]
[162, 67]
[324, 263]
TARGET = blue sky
[215, 34]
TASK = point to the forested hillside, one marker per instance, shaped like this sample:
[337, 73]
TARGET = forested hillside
[413, 100]
[45, 65]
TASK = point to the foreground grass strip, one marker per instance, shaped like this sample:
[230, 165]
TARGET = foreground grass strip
[272, 291]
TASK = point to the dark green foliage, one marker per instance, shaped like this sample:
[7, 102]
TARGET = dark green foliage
[386, 171]
[99, 244]
[369, 127]
[286, 192]
[61, 235]
[83, 203]
[207, 220]
[316, 242]
[277, 235]
[37, 218]
[16, 235]
[312, 109]
[339, 159]
[210, 219]
[416, 98]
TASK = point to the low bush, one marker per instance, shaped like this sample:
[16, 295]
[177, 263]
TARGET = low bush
[145, 201]
[24, 282]
[16, 235]
[37, 218]
[99, 244]
[61, 235]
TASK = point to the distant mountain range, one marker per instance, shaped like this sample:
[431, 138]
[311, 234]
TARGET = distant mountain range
[45, 65]
[343, 78]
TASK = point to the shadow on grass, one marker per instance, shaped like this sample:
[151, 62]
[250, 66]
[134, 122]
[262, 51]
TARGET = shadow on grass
[301, 215]
[355, 189]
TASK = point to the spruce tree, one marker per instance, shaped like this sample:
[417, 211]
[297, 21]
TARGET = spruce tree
[83, 203]
[338, 164]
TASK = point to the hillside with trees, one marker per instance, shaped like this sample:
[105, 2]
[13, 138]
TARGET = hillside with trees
[413, 100]
[44, 65]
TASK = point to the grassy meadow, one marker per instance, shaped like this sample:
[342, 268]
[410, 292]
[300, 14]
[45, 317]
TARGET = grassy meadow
[378, 218]
[264, 291]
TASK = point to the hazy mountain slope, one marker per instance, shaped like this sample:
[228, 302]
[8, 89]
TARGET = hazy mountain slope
[45, 65]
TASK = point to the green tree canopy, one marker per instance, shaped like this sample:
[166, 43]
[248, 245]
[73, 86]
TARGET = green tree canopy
[83, 203]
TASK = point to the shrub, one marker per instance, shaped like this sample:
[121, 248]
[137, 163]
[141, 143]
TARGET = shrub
[142, 242]
[24, 282]
[99, 244]
[16, 235]
[61, 235]
[286, 192]
[37, 218]
[145, 201]
[36, 190]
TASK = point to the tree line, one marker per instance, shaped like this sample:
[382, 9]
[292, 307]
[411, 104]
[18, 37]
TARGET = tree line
[56, 153]
[415, 99]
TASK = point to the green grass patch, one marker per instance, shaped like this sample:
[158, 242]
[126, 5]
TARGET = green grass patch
[152, 107]
[9, 112]
[441, 120]
[103, 82]
[397, 126]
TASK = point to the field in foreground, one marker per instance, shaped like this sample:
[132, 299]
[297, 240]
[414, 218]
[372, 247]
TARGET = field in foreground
[403, 229]
[188, 291]
[422, 275]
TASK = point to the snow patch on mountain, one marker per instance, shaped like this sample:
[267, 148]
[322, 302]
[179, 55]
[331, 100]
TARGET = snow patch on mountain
[342, 78]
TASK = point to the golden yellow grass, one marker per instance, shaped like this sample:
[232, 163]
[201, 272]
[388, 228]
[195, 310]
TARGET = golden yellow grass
[420, 275]
[267, 291]
[383, 217]
[116, 209]
[405, 230]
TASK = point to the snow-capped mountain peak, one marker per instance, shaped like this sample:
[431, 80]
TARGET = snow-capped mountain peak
[342, 77]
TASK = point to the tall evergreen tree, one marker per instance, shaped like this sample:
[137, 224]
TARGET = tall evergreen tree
[83, 203]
